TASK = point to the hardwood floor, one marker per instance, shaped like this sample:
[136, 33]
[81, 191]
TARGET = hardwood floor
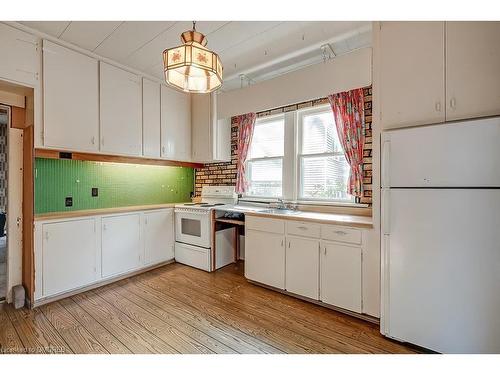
[178, 309]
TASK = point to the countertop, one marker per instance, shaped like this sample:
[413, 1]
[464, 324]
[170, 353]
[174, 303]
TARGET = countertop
[356, 221]
[100, 211]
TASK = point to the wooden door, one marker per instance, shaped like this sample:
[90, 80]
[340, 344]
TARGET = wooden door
[472, 69]
[121, 111]
[70, 99]
[411, 73]
[158, 236]
[121, 244]
[302, 267]
[341, 276]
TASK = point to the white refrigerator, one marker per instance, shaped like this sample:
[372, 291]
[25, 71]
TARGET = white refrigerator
[441, 236]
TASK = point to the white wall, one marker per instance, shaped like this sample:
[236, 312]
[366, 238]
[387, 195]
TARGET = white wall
[343, 73]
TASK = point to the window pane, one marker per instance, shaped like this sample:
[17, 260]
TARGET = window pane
[324, 177]
[268, 139]
[265, 178]
[319, 134]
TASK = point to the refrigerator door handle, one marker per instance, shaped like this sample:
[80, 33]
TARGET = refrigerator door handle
[386, 215]
[386, 159]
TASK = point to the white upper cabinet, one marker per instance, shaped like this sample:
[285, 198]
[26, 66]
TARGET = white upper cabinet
[411, 73]
[211, 138]
[121, 111]
[70, 100]
[472, 69]
[151, 120]
[21, 61]
[175, 124]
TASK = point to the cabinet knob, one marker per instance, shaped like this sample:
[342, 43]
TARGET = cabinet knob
[453, 103]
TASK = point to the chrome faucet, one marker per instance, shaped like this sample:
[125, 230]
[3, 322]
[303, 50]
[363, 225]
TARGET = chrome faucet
[281, 204]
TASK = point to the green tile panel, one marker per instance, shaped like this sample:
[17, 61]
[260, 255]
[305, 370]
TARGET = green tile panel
[119, 185]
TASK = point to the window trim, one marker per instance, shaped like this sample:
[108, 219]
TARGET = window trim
[264, 120]
[291, 159]
[301, 113]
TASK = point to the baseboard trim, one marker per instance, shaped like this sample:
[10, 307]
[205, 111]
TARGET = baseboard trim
[44, 301]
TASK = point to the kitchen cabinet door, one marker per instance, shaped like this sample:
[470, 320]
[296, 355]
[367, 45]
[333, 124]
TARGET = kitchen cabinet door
[411, 73]
[69, 255]
[121, 244]
[472, 63]
[121, 111]
[151, 121]
[340, 276]
[21, 61]
[302, 267]
[175, 125]
[202, 132]
[265, 258]
[70, 99]
[158, 236]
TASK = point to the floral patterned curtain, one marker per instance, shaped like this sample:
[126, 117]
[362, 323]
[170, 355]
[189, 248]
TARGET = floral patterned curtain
[348, 110]
[246, 124]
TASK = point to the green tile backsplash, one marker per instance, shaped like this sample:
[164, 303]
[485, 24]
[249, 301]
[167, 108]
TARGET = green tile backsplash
[119, 184]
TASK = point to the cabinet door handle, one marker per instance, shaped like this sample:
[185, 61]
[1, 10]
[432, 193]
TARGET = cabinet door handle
[281, 243]
[289, 244]
[104, 227]
[340, 232]
[438, 106]
[453, 103]
[46, 236]
[102, 141]
[324, 250]
[92, 140]
[302, 227]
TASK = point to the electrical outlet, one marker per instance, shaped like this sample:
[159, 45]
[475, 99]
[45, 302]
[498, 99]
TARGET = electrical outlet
[95, 192]
[68, 201]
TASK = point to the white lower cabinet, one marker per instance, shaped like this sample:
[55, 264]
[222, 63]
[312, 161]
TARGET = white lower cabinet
[302, 267]
[319, 261]
[121, 244]
[341, 275]
[265, 258]
[75, 253]
[158, 236]
[69, 255]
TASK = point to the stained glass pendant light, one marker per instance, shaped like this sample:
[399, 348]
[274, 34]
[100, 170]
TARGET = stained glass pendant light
[192, 67]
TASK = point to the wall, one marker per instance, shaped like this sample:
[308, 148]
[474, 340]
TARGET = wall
[119, 184]
[3, 167]
[342, 73]
[225, 173]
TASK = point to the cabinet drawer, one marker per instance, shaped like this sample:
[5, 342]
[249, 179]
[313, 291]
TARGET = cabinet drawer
[300, 228]
[265, 225]
[342, 234]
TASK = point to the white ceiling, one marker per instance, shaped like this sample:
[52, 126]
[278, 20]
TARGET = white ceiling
[259, 49]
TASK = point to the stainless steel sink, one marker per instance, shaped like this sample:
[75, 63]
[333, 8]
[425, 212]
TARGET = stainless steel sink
[280, 211]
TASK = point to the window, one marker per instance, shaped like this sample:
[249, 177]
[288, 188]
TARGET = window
[265, 158]
[323, 169]
[298, 156]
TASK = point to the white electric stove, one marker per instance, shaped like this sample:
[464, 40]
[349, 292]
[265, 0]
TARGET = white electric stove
[193, 230]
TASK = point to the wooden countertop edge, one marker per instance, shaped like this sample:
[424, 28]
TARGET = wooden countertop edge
[100, 211]
[349, 220]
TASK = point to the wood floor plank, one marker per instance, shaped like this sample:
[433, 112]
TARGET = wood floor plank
[75, 335]
[36, 333]
[187, 329]
[127, 331]
[10, 343]
[152, 323]
[178, 309]
[287, 340]
[310, 315]
[105, 338]
[244, 294]
[234, 338]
